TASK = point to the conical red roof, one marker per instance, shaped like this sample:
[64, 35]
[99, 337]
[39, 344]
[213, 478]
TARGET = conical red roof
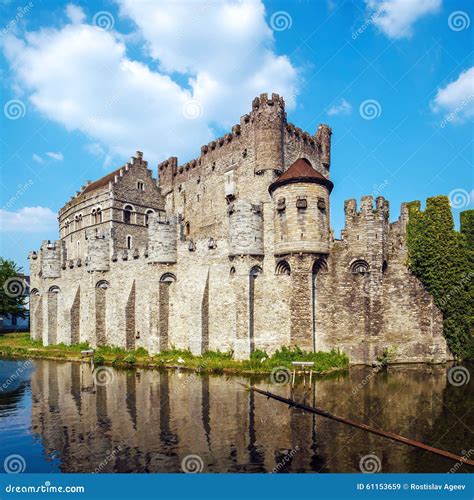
[301, 171]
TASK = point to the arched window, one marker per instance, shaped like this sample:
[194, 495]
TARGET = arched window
[103, 284]
[99, 215]
[129, 242]
[147, 215]
[168, 278]
[232, 272]
[78, 219]
[359, 267]
[187, 229]
[127, 214]
[54, 289]
[94, 216]
[255, 271]
[283, 267]
[384, 266]
[66, 226]
[34, 292]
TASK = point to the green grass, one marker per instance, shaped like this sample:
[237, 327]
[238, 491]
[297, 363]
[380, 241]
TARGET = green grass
[20, 345]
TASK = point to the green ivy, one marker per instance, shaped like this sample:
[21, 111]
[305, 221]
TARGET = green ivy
[442, 258]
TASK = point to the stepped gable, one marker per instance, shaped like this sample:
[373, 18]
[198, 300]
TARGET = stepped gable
[301, 171]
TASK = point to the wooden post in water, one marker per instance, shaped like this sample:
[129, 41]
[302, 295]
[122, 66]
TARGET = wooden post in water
[352, 423]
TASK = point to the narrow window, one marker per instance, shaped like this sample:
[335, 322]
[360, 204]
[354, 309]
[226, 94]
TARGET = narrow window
[129, 242]
[127, 214]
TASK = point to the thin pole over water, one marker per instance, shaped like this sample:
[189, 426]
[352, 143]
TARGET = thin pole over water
[352, 423]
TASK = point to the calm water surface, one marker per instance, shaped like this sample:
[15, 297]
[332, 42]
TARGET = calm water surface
[58, 419]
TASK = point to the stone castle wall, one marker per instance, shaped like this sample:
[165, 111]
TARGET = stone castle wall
[216, 263]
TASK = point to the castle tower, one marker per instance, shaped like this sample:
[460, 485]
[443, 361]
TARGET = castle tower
[245, 228]
[51, 259]
[269, 118]
[323, 137]
[162, 239]
[301, 201]
[98, 251]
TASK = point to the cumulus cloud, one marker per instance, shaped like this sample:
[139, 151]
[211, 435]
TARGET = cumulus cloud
[342, 108]
[37, 158]
[218, 55]
[456, 100]
[28, 220]
[396, 18]
[75, 14]
[55, 156]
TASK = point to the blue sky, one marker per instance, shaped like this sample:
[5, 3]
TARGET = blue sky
[86, 84]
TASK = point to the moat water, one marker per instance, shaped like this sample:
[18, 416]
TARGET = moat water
[57, 418]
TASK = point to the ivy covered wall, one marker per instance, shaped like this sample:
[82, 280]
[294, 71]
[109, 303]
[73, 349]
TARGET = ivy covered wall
[443, 259]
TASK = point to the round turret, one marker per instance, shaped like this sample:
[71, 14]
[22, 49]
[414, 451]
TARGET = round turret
[301, 199]
[245, 228]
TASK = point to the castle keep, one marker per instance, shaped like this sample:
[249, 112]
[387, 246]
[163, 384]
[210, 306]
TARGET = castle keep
[233, 251]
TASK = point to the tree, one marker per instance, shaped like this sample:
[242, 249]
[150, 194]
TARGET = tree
[13, 289]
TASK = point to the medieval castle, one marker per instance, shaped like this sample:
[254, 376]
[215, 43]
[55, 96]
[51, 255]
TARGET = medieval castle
[233, 251]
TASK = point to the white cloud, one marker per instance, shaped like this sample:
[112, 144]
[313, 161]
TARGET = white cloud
[456, 100]
[343, 108]
[37, 158]
[75, 14]
[55, 156]
[396, 18]
[28, 220]
[81, 77]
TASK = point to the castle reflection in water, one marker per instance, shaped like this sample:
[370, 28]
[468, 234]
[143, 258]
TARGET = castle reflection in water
[148, 421]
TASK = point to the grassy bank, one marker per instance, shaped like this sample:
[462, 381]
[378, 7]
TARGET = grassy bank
[20, 345]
